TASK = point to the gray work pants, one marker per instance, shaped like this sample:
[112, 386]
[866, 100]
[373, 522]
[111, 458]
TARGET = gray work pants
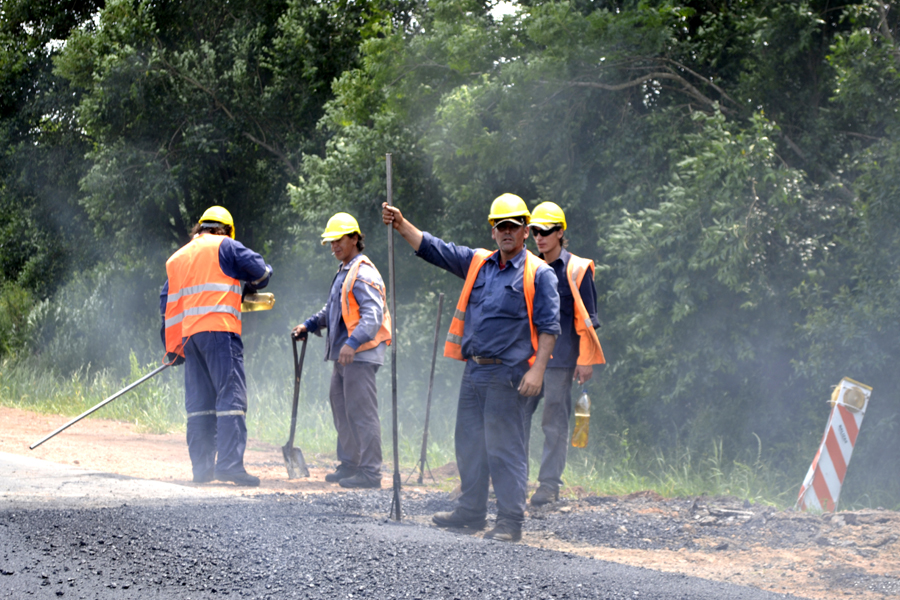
[555, 424]
[354, 406]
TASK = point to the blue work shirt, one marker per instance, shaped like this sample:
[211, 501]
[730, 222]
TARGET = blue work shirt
[235, 260]
[496, 324]
[565, 352]
[371, 315]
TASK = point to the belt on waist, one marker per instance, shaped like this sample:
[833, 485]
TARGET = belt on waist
[481, 360]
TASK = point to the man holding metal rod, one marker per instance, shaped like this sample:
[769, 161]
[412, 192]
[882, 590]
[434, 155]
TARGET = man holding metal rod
[505, 326]
[577, 348]
[201, 307]
[359, 329]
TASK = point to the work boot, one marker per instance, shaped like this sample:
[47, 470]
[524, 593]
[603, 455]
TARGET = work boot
[340, 473]
[204, 477]
[455, 519]
[360, 480]
[544, 495]
[242, 479]
[505, 531]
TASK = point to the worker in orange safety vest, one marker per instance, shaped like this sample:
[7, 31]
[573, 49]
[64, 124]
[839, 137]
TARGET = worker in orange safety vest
[577, 348]
[359, 330]
[504, 327]
[201, 307]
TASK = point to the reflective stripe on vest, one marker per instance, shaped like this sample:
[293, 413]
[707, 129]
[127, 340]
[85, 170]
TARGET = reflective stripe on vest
[589, 350]
[453, 345]
[350, 307]
[201, 296]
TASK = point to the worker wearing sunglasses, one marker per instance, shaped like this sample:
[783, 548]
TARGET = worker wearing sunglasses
[577, 347]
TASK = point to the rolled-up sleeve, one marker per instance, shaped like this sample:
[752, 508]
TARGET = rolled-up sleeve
[546, 301]
[367, 292]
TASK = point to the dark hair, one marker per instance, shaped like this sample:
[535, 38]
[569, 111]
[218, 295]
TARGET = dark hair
[208, 227]
[360, 243]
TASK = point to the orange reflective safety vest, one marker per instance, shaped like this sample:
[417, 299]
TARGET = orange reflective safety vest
[350, 308]
[201, 296]
[453, 345]
[589, 350]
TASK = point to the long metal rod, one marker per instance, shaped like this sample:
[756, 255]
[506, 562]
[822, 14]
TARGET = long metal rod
[99, 406]
[395, 503]
[437, 332]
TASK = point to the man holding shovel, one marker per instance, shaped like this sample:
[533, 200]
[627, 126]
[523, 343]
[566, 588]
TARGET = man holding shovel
[505, 326]
[359, 329]
[201, 307]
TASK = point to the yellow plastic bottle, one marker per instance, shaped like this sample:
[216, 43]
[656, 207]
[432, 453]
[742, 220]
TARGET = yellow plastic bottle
[255, 302]
[582, 420]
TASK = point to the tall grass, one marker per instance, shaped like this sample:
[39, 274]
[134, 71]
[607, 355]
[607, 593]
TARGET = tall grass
[611, 465]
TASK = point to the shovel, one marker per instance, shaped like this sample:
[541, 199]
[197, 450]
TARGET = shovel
[293, 457]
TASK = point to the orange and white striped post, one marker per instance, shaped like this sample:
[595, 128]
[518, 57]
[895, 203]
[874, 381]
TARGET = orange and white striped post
[822, 486]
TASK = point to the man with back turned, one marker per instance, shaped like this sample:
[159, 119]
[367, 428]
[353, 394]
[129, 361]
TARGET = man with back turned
[201, 307]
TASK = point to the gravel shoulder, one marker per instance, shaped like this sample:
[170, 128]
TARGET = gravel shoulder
[850, 554]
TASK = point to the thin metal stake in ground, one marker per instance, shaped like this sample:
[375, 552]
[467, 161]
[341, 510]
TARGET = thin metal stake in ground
[99, 406]
[395, 503]
[423, 459]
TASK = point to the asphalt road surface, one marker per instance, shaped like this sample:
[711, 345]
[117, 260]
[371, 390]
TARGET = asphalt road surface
[125, 538]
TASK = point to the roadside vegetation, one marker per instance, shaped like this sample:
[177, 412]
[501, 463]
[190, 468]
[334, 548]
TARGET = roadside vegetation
[611, 467]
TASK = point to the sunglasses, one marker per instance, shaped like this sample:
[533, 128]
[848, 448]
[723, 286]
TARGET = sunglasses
[544, 232]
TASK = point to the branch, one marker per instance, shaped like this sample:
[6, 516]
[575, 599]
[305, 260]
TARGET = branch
[886, 31]
[704, 79]
[198, 85]
[278, 153]
[691, 90]
[281, 155]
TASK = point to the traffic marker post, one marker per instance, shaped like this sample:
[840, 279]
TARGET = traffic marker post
[822, 486]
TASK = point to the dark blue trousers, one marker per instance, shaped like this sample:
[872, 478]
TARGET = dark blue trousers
[216, 402]
[490, 441]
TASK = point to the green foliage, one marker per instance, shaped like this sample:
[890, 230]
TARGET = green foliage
[97, 319]
[15, 328]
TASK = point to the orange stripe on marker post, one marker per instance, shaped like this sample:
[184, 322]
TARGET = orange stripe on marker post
[822, 486]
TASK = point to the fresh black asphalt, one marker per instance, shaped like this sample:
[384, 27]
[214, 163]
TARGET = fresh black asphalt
[327, 546]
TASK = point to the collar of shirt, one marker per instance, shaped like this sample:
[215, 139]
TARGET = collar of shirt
[346, 267]
[563, 256]
[516, 261]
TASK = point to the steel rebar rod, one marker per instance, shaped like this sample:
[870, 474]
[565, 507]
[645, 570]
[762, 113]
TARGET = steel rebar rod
[437, 332]
[99, 406]
[395, 503]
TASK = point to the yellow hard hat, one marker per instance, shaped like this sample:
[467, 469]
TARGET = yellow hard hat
[218, 214]
[338, 226]
[547, 215]
[508, 206]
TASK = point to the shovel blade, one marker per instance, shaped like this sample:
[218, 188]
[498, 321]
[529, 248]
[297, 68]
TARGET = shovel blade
[293, 460]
